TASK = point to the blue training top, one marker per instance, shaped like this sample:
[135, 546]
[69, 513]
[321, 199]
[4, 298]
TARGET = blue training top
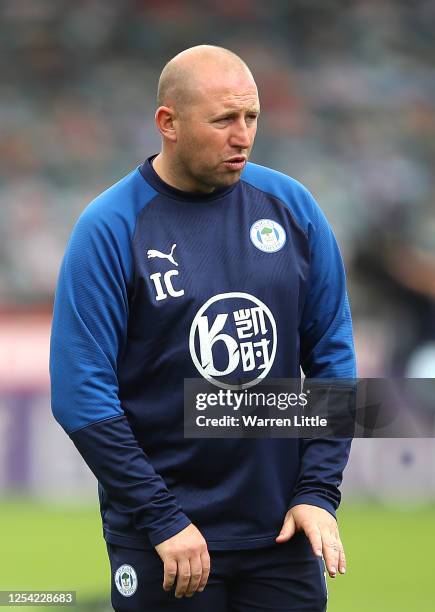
[158, 285]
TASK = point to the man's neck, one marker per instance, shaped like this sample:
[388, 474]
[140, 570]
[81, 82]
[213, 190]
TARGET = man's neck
[163, 170]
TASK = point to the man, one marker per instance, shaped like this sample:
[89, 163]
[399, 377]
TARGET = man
[156, 267]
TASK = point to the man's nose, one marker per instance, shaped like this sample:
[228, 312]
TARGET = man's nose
[240, 136]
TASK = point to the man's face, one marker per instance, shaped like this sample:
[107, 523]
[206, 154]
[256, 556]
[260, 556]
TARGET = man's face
[216, 133]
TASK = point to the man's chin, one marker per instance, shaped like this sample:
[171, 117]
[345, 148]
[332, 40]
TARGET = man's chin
[220, 180]
[229, 178]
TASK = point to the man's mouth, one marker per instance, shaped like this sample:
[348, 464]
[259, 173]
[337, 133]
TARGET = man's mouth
[237, 162]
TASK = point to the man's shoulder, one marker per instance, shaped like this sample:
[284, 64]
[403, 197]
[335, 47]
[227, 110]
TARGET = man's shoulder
[267, 178]
[124, 198]
[293, 194]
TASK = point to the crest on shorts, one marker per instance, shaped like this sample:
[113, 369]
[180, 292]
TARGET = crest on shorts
[126, 580]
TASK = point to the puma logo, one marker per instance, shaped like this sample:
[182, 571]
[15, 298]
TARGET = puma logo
[153, 253]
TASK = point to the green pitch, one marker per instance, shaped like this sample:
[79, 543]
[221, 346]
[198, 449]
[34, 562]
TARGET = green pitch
[391, 564]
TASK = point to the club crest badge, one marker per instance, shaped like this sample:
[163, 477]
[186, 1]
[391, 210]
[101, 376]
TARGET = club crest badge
[267, 235]
[126, 580]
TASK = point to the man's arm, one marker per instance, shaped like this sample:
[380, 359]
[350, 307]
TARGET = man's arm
[88, 334]
[327, 351]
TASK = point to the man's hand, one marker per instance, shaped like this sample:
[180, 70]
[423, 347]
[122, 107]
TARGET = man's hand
[185, 557]
[321, 529]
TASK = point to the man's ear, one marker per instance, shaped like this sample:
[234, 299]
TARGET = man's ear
[165, 118]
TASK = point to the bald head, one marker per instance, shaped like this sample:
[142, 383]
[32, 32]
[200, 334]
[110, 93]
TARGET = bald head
[207, 117]
[186, 74]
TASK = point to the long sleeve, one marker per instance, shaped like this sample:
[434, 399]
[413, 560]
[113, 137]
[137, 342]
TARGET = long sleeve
[327, 351]
[88, 336]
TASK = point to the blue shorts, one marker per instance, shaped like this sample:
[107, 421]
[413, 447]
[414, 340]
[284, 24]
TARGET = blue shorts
[286, 577]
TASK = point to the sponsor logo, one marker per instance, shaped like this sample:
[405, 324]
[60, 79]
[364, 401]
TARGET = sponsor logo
[163, 284]
[126, 580]
[267, 235]
[153, 253]
[232, 337]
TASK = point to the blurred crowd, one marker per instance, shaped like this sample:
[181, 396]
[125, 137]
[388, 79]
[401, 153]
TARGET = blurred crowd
[348, 96]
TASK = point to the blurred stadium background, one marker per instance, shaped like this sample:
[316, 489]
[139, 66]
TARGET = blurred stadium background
[347, 92]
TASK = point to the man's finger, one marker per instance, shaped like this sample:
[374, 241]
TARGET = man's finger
[287, 530]
[205, 561]
[341, 560]
[313, 534]
[183, 577]
[169, 574]
[331, 554]
[195, 575]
